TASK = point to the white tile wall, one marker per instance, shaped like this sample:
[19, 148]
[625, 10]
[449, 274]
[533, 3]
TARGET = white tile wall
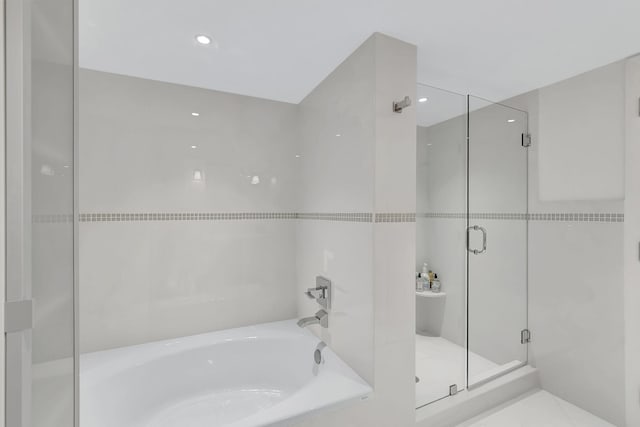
[576, 313]
[342, 252]
[576, 288]
[336, 133]
[136, 138]
[150, 280]
[337, 174]
[371, 264]
[581, 136]
[147, 281]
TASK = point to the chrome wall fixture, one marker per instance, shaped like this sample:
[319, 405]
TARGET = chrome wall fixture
[398, 106]
[321, 293]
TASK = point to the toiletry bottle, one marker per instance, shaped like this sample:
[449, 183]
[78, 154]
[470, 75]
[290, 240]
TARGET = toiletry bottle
[419, 283]
[426, 277]
[435, 284]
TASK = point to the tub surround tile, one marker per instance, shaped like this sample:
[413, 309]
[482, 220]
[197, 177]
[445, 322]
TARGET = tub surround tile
[147, 281]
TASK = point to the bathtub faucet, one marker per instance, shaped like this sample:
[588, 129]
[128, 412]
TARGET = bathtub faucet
[321, 318]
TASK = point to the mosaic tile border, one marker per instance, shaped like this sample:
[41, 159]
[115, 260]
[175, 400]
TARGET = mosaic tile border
[349, 217]
[186, 216]
[52, 218]
[556, 217]
[462, 215]
[578, 217]
[384, 217]
[396, 217]
[227, 216]
[239, 216]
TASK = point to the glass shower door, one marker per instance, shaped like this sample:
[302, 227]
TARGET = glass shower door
[496, 240]
[441, 170]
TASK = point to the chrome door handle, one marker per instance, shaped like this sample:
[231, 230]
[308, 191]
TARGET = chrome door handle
[484, 240]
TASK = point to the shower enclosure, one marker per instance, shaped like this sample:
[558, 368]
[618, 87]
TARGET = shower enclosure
[471, 225]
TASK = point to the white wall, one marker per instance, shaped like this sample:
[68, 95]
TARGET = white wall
[576, 296]
[371, 263]
[631, 244]
[581, 139]
[336, 175]
[149, 280]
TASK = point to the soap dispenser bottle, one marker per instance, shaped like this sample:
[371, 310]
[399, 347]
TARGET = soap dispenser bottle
[426, 276]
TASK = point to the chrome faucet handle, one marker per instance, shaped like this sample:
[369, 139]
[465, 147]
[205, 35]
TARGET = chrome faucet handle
[323, 318]
[315, 293]
[321, 293]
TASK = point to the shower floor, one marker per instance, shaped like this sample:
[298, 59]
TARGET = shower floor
[441, 363]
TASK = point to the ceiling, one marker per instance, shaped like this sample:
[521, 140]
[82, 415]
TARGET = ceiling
[281, 49]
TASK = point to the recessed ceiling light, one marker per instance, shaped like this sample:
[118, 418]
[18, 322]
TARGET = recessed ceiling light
[423, 99]
[337, 134]
[511, 120]
[297, 156]
[194, 146]
[195, 114]
[202, 39]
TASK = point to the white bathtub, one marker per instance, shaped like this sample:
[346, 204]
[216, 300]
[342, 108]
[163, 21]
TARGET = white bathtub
[253, 376]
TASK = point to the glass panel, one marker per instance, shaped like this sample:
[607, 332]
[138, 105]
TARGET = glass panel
[497, 275]
[40, 203]
[52, 237]
[440, 225]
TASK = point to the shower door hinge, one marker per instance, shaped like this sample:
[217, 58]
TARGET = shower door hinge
[525, 336]
[18, 316]
[526, 140]
[453, 389]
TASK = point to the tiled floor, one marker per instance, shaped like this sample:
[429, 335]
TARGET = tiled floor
[539, 409]
[441, 363]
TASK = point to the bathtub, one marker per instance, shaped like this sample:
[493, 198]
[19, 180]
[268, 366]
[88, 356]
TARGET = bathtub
[253, 376]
